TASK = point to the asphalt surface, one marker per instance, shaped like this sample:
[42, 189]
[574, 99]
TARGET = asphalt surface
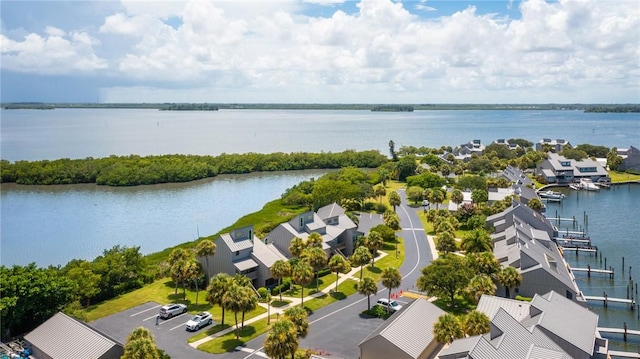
[334, 330]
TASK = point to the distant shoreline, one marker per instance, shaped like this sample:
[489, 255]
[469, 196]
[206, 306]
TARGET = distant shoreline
[595, 108]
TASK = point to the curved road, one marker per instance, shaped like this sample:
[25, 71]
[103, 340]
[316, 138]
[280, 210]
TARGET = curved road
[337, 329]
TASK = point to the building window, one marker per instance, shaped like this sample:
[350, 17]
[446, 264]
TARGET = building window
[237, 253]
[301, 222]
[569, 295]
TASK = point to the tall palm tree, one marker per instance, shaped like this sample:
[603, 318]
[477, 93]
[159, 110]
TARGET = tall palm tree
[391, 279]
[476, 323]
[296, 247]
[317, 259]
[302, 274]
[282, 340]
[379, 192]
[483, 263]
[194, 272]
[360, 257]
[447, 329]
[314, 240]
[218, 286]
[394, 199]
[205, 249]
[279, 270]
[456, 196]
[249, 301]
[338, 264]
[509, 277]
[298, 316]
[480, 284]
[232, 300]
[367, 287]
[477, 240]
[177, 260]
[374, 242]
[437, 197]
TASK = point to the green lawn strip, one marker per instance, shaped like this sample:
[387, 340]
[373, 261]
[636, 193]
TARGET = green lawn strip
[228, 342]
[280, 303]
[161, 291]
[345, 289]
[623, 176]
[461, 305]
[389, 260]
[209, 331]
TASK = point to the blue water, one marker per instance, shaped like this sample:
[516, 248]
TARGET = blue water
[611, 219]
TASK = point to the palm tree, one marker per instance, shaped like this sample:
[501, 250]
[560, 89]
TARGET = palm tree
[317, 259]
[232, 300]
[264, 296]
[447, 329]
[194, 271]
[298, 316]
[535, 204]
[380, 191]
[302, 274]
[360, 257]
[249, 301]
[282, 340]
[218, 286]
[456, 196]
[437, 197]
[374, 242]
[446, 242]
[394, 199]
[476, 323]
[391, 279]
[141, 344]
[296, 247]
[180, 273]
[480, 284]
[338, 264]
[205, 249]
[367, 287]
[177, 260]
[509, 277]
[477, 240]
[314, 240]
[483, 263]
[279, 270]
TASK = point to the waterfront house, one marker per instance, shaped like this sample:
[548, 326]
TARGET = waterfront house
[560, 170]
[551, 326]
[241, 252]
[465, 150]
[516, 176]
[407, 334]
[556, 145]
[523, 239]
[630, 159]
[63, 337]
[338, 231]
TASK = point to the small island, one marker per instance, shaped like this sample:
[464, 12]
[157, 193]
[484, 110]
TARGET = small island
[393, 108]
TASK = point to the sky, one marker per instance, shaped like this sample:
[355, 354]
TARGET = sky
[320, 51]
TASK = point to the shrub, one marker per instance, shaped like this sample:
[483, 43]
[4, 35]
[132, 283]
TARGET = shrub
[285, 286]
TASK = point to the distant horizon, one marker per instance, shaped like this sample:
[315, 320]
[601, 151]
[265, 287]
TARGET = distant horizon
[334, 103]
[320, 51]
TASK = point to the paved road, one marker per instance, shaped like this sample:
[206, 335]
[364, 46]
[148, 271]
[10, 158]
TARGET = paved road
[336, 329]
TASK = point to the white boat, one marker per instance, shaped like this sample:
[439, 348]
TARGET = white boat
[551, 195]
[588, 185]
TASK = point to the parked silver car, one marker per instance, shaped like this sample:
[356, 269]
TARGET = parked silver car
[199, 320]
[170, 310]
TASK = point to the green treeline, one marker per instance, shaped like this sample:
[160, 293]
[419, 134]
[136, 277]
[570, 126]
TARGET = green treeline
[189, 107]
[393, 108]
[613, 108]
[136, 170]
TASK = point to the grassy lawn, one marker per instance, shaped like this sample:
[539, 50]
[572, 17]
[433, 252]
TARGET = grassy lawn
[623, 176]
[160, 291]
[228, 342]
[461, 305]
[345, 289]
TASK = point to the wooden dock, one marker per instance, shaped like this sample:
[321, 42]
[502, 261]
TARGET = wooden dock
[621, 354]
[618, 331]
[572, 240]
[590, 270]
[574, 248]
[606, 299]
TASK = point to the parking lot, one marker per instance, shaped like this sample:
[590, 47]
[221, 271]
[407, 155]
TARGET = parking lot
[170, 334]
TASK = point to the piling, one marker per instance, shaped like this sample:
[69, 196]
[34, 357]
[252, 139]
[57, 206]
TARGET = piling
[625, 331]
[588, 268]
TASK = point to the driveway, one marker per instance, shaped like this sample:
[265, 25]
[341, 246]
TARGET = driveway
[170, 334]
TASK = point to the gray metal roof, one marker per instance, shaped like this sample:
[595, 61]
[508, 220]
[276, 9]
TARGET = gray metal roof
[331, 210]
[419, 317]
[245, 264]
[62, 337]
[266, 254]
[567, 320]
[235, 245]
[489, 305]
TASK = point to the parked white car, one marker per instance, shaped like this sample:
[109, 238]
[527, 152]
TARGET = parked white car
[170, 310]
[199, 320]
[391, 305]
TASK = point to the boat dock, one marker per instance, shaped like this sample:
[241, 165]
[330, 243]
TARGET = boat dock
[571, 248]
[624, 331]
[590, 270]
[606, 299]
[621, 354]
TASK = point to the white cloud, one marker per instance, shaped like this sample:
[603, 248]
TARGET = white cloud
[260, 50]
